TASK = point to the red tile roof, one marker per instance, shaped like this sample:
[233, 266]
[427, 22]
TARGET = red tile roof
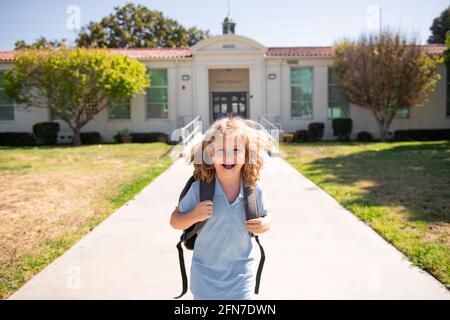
[328, 51]
[300, 52]
[6, 55]
[173, 53]
[155, 53]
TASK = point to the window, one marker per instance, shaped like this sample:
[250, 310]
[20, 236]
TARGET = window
[6, 103]
[157, 101]
[338, 106]
[448, 89]
[402, 113]
[119, 109]
[66, 111]
[301, 92]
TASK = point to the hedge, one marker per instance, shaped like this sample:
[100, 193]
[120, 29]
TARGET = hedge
[46, 132]
[422, 135]
[342, 128]
[90, 138]
[17, 139]
[142, 137]
[301, 136]
[315, 131]
[364, 136]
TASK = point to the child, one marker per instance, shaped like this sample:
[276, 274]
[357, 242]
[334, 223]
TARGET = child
[223, 262]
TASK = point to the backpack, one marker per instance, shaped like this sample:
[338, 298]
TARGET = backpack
[190, 234]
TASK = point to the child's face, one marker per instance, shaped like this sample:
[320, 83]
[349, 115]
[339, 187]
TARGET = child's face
[228, 156]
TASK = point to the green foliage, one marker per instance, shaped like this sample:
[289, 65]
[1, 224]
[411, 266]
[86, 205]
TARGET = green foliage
[440, 27]
[315, 131]
[117, 137]
[90, 138]
[46, 132]
[75, 84]
[301, 136]
[364, 136]
[41, 43]
[396, 73]
[149, 137]
[342, 128]
[447, 52]
[17, 139]
[422, 135]
[132, 26]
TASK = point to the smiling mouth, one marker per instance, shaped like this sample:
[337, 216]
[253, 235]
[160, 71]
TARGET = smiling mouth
[228, 166]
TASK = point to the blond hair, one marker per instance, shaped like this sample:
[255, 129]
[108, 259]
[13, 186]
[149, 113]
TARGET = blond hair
[256, 140]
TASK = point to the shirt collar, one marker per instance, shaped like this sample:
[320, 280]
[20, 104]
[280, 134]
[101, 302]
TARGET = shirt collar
[219, 191]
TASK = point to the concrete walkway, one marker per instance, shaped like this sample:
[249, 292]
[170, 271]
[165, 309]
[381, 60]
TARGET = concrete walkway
[315, 250]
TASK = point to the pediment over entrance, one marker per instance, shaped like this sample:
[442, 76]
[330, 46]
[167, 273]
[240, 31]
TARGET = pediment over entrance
[228, 43]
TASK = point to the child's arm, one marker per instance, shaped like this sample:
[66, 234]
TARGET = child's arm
[182, 221]
[260, 225]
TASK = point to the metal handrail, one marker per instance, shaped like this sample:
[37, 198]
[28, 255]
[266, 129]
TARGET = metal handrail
[269, 124]
[187, 133]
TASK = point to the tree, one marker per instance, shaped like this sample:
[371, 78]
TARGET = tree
[440, 27]
[138, 27]
[75, 84]
[385, 72]
[447, 52]
[41, 43]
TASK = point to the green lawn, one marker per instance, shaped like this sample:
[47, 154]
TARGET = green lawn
[402, 190]
[50, 197]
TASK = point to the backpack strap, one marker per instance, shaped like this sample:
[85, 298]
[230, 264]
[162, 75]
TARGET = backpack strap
[252, 212]
[206, 193]
[251, 203]
[182, 270]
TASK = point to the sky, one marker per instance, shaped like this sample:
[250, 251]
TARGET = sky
[280, 23]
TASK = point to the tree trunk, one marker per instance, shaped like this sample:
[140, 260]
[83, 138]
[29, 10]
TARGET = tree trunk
[76, 141]
[383, 130]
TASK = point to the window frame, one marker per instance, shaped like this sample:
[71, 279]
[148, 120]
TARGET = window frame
[293, 117]
[12, 105]
[147, 103]
[335, 85]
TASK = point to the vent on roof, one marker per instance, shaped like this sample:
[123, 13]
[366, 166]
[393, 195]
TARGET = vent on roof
[292, 62]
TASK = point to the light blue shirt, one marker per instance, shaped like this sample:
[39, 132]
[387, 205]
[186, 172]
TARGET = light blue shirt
[223, 262]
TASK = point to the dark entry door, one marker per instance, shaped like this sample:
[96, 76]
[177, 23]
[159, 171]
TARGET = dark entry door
[229, 104]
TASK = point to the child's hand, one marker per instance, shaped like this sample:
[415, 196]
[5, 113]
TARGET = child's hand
[203, 210]
[259, 225]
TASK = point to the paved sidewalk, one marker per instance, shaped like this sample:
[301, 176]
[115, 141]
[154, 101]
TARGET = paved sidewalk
[315, 250]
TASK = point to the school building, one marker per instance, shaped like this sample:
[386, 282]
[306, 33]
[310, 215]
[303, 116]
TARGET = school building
[230, 74]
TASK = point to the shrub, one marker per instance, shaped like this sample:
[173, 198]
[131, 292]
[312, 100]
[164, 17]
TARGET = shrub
[90, 138]
[117, 137]
[141, 137]
[301, 136]
[342, 128]
[17, 139]
[315, 131]
[422, 135]
[123, 136]
[364, 136]
[46, 132]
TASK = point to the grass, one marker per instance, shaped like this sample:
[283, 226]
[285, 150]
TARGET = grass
[402, 190]
[50, 197]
